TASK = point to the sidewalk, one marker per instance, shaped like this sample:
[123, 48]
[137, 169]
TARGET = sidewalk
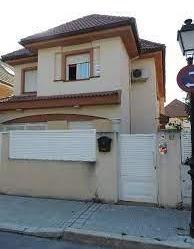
[90, 221]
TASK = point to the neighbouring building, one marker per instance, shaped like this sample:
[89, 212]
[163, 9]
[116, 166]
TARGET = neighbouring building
[6, 80]
[176, 111]
[91, 72]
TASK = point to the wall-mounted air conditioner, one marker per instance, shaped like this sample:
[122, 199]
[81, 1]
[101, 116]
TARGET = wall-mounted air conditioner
[139, 75]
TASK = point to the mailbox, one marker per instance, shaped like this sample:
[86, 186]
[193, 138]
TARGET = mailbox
[104, 144]
[163, 149]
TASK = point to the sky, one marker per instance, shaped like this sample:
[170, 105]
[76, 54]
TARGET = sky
[156, 21]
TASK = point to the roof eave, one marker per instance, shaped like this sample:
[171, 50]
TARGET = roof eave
[97, 99]
[22, 60]
[5, 58]
[152, 50]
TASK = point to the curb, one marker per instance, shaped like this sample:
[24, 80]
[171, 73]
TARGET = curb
[118, 241]
[95, 238]
[33, 231]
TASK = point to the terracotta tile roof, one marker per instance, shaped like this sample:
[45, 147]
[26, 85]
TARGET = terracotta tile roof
[149, 46]
[30, 97]
[84, 24]
[68, 100]
[81, 25]
[176, 108]
[20, 53]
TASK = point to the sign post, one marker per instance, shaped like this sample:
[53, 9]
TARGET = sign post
[185, 80]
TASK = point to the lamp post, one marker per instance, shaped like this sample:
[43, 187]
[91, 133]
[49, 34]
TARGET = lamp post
[185, 37]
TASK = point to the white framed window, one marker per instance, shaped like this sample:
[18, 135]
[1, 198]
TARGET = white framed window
[29, 80]
[78, 67]
[82, 70]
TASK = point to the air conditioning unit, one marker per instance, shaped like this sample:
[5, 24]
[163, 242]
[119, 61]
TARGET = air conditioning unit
[139, 75]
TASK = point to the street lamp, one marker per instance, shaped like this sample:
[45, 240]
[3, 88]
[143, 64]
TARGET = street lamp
[185, 37]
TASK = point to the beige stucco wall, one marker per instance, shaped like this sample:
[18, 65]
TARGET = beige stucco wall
[112, 57]
[110, 78]
[139, 109]
[125, 78]
[110, 112]
[69, 180]
[97, 180]
[144, 105]
[169, 171]
[114, 76]
[107, 171]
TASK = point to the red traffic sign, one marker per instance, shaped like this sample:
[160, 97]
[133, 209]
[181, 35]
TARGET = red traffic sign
[185, 78]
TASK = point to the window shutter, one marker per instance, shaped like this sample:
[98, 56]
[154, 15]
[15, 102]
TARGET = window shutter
[58, 67]
[76, 59]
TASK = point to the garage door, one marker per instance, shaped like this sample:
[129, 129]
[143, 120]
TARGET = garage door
[138, 168]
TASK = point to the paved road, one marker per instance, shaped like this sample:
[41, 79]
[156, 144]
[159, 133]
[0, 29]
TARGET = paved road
[16, 241]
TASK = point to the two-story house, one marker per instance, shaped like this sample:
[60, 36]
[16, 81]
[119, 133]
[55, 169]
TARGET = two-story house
[92, 72]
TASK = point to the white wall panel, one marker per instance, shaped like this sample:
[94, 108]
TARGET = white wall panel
[66, 145]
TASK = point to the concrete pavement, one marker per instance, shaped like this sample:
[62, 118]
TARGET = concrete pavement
[77, 220]
[31, 215]
[148, 222]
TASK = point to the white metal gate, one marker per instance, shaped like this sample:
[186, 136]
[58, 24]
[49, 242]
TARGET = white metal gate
[138, 168]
